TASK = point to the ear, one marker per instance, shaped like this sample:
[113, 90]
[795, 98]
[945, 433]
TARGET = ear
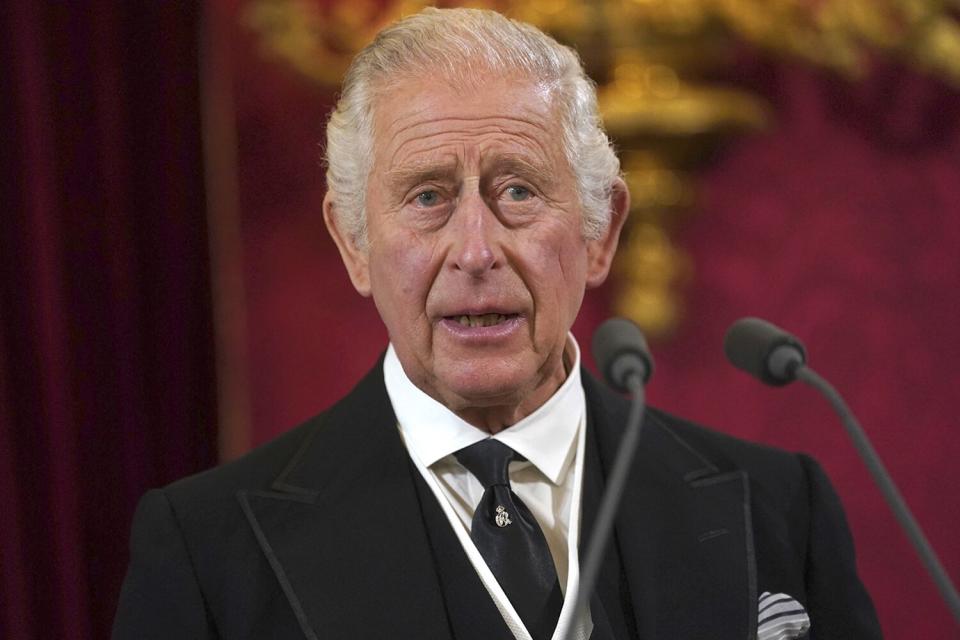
[355, 258]
[600, 251]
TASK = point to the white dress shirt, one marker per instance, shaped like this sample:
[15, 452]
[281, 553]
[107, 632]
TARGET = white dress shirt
[549, 482]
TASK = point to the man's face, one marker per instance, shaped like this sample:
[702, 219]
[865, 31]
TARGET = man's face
[476, 259]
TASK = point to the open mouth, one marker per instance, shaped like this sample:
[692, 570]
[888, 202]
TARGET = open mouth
[483, 320]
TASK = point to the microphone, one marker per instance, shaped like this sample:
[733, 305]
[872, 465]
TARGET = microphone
[621, 353]
[764, 350]
[776, 357]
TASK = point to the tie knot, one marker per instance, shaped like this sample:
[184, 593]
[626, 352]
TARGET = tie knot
[488, 460]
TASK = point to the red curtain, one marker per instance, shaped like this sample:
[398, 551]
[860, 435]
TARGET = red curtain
[106, 361]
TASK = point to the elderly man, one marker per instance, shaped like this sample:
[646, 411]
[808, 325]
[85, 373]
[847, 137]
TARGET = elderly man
[474, 195]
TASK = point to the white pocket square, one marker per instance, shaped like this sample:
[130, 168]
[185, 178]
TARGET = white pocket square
[781, 617]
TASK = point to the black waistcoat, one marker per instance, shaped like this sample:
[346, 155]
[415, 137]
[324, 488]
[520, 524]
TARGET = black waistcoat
[471, 612]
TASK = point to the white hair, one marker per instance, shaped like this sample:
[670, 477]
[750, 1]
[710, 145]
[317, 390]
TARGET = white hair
[458, 43]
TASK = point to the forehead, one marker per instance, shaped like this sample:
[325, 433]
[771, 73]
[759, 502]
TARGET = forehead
[427, 116]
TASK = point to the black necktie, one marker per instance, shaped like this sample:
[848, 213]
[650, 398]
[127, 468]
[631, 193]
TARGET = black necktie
[511, 541]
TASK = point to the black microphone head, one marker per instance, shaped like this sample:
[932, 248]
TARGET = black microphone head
[620, 349]
[764, 350]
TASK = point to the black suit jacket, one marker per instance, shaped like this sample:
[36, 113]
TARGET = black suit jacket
[325, 533]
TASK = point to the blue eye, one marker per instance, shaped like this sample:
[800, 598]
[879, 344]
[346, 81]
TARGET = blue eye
[428, 198]
[518, 193]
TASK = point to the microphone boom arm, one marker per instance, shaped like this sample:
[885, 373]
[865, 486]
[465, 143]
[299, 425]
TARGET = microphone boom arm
[607, 511]
[887, 487]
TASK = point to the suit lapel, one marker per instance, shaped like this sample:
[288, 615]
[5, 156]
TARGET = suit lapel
[684, 532]
[610, 605]
[343, 532]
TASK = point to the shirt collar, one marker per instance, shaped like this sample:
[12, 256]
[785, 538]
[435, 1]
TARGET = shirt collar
[546, 437]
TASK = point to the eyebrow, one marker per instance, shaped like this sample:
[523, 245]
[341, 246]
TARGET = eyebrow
[404, 177]
[520, 165]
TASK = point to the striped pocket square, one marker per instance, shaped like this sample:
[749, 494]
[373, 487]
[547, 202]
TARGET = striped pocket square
[781, 617]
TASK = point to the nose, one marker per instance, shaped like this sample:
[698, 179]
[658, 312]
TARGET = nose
[475, 249]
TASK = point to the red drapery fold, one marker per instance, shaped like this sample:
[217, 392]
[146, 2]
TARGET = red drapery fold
[106, 362]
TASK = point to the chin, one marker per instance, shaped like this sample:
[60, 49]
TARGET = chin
[481, 386]
[492, 393]
[489, 392]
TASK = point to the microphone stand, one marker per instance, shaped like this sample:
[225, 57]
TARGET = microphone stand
[607, 512]
[880, 475]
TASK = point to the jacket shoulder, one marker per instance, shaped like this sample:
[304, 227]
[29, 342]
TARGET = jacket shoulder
[715, 448]
[260, 468]
[256, 469]
[728, 452]
[776, 475]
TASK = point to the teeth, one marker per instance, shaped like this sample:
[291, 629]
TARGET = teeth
[485, 320]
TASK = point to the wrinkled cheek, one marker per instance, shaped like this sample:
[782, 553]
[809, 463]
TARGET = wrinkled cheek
[403, 270]
[569, 270]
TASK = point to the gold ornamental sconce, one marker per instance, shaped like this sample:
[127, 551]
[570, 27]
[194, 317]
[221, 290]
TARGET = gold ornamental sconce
[649, 59]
